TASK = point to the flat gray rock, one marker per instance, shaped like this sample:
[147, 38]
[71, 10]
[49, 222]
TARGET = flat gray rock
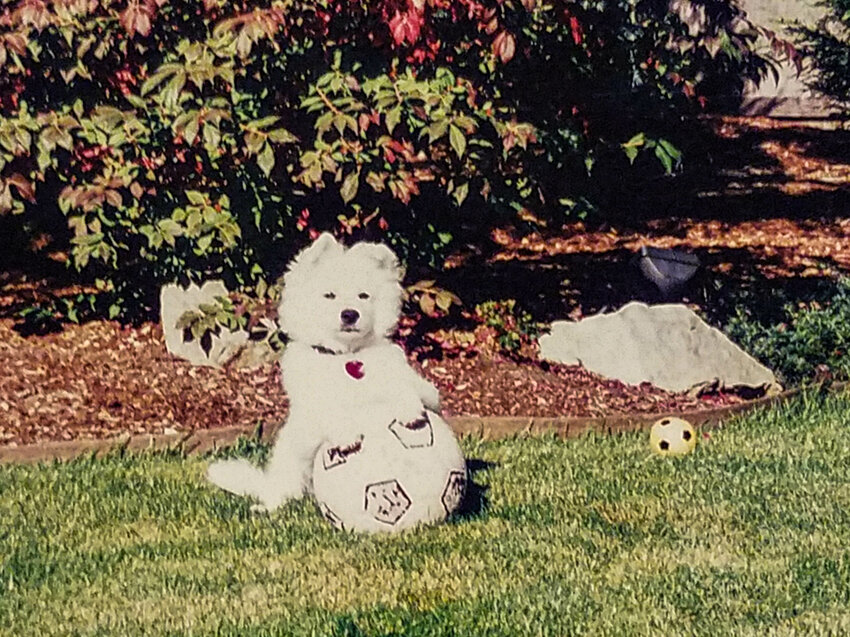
[666, 345]
[228, 347]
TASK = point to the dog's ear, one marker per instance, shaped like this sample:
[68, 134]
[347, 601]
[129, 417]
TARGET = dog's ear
[381, 254]
[323, 245]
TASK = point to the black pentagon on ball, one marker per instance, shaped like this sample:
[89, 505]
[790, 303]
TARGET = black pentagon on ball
[686, 435]
[664, 445]
[386, 501]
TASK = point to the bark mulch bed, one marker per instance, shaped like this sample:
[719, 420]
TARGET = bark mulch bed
[101, 380]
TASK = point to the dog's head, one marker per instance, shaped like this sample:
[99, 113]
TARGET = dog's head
[341, 299]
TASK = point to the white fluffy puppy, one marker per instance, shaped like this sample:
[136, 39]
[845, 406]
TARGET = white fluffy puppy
[339, 307]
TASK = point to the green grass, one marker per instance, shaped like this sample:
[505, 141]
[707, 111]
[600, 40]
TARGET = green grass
[747, 536]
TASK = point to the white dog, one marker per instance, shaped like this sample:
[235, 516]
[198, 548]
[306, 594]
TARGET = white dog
[339, 307]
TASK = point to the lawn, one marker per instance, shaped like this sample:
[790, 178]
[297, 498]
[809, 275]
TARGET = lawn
[747, 536]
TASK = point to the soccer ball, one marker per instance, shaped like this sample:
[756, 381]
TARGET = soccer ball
[392, 476]
[671, 436]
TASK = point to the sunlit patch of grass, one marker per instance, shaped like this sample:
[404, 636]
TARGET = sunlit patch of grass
[747, 535]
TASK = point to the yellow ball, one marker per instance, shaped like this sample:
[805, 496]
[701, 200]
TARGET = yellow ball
[671, 436]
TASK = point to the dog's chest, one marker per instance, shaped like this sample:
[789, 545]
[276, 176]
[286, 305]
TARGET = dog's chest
[351, 378]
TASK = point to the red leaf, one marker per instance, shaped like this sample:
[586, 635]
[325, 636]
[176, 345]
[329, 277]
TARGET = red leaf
[17, 42]
[504, 46]
[23, 185]
[33, 13]
[405, 27]
[577, 30]
[136, 18]
[364, 121]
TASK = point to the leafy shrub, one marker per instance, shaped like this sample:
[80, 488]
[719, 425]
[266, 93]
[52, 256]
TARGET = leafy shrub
[828, 46]
[812, 339]
[182, 140]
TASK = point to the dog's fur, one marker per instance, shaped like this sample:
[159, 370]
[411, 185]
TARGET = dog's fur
[322, 286]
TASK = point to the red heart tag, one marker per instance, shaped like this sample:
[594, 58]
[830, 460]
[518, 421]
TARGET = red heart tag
[354, 369]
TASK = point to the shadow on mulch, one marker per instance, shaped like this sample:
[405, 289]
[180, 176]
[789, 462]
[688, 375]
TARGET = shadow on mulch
[729, 177]
[552, 287]
[735, 178]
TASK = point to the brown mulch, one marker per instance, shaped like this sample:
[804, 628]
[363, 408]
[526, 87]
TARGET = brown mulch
[100, 380]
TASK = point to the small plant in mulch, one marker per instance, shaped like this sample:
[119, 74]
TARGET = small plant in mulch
[46, 315]
[256, 313]
[492, 328]
[513, 330]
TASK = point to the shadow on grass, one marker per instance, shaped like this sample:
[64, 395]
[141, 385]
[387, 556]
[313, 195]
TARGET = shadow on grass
[475, 500]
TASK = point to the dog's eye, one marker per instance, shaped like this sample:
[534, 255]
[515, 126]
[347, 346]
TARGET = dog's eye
[363, 295]
[330, 296]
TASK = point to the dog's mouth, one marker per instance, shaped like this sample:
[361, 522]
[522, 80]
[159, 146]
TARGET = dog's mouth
[349, 329]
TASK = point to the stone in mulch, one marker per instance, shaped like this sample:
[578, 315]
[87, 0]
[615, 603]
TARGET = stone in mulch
[667, 345]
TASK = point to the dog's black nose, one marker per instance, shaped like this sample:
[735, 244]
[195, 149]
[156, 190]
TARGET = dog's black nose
[349, 317]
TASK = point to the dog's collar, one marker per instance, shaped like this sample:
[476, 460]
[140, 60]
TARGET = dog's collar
[321, 349]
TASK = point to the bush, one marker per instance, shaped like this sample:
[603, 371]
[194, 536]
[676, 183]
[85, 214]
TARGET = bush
[828, 46]
[812, 340]
[184, 140]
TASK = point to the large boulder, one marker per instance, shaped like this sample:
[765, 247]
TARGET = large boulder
[666, 345]
[228, 348]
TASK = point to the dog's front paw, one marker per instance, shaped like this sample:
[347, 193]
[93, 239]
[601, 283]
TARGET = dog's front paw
[260, 509]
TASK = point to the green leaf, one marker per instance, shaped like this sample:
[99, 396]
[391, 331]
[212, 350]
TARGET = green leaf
[282, 136]
[664, 158]
[457, 139]
[264, 122]
[212, 135]
[195, 197]
[637, 140]
[350, 185]
[393, 117]
[427, 304]
[254, 141]
[437, 129]
[444, 299]
[460, 193]
[190, 133]
[139, 103]
[204, 243]
[265, 160]
[670, 149]
[153, 81]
